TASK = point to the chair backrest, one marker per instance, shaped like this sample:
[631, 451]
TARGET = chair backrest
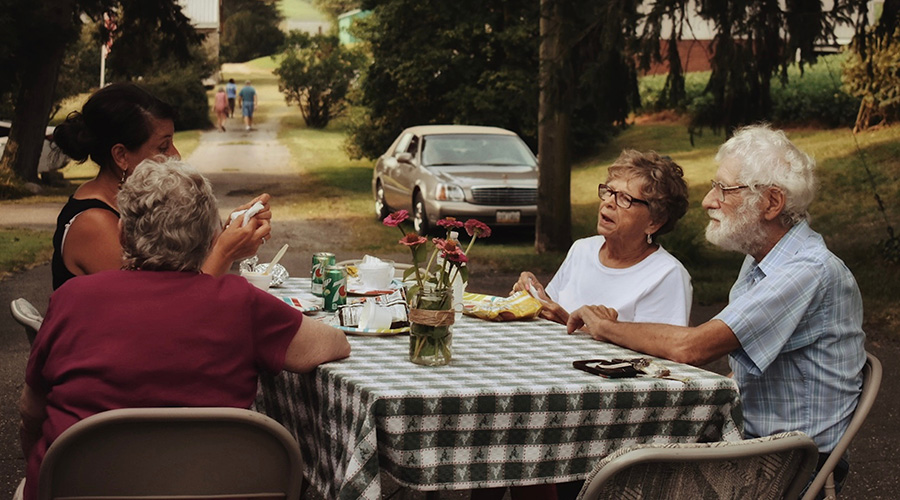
[173, 453]
[870, 385]
[28, 316]
[771, 467]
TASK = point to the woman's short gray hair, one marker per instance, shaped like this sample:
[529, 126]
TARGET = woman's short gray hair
[768, 158]
[169, 216]
[664, 187]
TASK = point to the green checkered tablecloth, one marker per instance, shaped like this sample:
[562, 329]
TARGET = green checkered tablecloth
[509, 410]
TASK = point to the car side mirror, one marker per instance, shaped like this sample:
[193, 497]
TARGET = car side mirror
[405, 157]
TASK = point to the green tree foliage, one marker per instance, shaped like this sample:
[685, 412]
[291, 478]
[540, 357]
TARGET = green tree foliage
[250, 29]
[40, 36]
[316, 74]
[871, 72]
[755, 39]
[476, 62]
[466, 61]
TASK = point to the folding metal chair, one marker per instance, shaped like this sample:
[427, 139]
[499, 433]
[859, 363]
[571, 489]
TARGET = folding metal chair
[771, 467]
[28, 316]
[871, 383]
[173, 453]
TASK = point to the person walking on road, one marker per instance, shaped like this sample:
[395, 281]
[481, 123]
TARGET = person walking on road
[231, 93]
[221, 107]
[247, 99]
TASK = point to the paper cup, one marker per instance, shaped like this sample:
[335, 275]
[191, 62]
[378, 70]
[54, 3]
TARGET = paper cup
[374, 317]
[376, 276]
[259, 280]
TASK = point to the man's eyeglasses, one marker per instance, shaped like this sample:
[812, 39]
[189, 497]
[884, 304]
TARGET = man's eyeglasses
[721, 189]
[623, 200]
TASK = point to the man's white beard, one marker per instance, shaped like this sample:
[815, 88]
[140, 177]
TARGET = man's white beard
[742, 232]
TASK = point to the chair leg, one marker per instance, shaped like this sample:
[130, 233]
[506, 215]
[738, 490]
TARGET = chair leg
[830, 493]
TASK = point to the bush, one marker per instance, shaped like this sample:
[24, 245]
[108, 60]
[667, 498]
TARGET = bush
[875, 79]
[814, 97]
[316, 74]
[183, 89]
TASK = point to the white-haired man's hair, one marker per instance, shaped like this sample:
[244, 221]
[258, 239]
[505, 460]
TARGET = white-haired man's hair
[169, 216]
[768, 158]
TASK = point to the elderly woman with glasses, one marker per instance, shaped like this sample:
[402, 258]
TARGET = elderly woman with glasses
[159, 332]
[623, 267]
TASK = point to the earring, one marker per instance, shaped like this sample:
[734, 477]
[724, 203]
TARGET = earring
[649, 239]
[124, 175]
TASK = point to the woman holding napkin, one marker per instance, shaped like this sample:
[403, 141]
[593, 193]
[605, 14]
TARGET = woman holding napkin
[118, 127]
[166, 334]
[623, 267]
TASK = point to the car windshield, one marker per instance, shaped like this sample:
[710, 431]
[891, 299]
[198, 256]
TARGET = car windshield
[475, 149]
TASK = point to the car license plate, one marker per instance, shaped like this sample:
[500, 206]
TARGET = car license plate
[508, 216]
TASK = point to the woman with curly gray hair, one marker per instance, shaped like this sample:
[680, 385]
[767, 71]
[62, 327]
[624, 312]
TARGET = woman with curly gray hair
[623, 266]
[160, 332]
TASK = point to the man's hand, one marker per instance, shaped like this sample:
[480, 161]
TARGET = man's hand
[591, 319]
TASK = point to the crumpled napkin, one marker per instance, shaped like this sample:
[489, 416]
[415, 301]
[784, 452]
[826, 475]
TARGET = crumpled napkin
[248, 213]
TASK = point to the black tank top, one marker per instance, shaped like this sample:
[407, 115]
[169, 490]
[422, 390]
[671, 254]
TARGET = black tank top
[73, 207]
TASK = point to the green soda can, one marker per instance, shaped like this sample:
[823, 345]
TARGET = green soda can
[334, 287]
[320, 261]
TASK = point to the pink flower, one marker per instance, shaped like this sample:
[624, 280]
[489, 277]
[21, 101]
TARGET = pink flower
[412, 239]
[396, 218]
[450, 223]
[439, 242]
[477, 228]
[457, 257]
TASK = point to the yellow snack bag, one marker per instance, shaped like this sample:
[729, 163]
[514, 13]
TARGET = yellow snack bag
[518, 306]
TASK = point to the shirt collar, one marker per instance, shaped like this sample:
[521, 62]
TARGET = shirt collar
[786, 248]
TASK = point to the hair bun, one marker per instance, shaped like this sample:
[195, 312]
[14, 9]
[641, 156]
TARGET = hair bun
[74, 138]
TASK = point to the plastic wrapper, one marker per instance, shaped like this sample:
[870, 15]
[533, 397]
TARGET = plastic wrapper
[518, 306]
[395, 303]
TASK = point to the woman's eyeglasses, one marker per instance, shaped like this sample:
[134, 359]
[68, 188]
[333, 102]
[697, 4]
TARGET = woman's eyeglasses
[623, 200]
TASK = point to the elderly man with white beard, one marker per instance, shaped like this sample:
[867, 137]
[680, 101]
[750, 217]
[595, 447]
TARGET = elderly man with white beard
[793, 324]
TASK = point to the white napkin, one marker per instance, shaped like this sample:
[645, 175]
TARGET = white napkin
[368, 260]
[250, 212]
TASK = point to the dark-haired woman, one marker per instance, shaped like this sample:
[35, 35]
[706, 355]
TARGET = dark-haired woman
[118, 127]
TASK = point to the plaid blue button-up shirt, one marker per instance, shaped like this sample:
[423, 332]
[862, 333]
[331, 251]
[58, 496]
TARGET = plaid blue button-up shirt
[798, 316]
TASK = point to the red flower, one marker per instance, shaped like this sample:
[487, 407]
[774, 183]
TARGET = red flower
[477, 228]
[396, 218]
[450, 223]
[439, 242]
[412, 239]
[457, 256]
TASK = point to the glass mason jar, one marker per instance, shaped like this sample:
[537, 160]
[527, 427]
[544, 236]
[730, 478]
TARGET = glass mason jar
[431, 327]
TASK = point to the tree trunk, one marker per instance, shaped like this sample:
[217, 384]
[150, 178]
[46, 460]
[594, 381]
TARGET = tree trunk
[26, 137]
[37, 78]
[553, 230]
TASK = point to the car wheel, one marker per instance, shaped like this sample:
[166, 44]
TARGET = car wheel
[420, 218]
[381, 208]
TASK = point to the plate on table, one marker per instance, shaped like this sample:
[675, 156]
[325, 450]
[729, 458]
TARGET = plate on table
[382, 332]
[301, 304]
[355, 287]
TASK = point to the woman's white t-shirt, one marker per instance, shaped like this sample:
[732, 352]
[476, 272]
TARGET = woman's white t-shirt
[655, 290]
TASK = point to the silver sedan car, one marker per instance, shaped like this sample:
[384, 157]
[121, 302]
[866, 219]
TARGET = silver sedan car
[462, 171]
